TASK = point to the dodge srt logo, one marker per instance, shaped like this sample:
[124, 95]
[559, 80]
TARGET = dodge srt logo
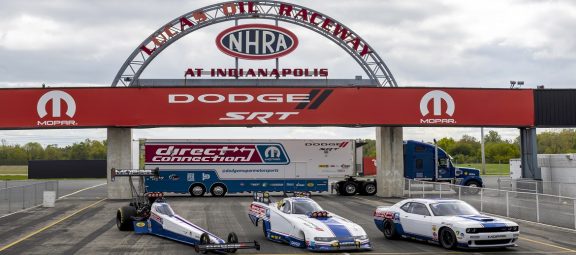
[256, 41]
[305, 101]
[56, 97]
[437, 96]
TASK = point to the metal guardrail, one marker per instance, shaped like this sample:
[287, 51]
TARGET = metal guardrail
[565, 189]
[16, 196]
[548, 209]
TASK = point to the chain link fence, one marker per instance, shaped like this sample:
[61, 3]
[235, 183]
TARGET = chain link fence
[564, 189]
[531, 206]
[16, 196]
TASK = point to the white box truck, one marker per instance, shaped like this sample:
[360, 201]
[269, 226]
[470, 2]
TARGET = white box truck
[233, 166]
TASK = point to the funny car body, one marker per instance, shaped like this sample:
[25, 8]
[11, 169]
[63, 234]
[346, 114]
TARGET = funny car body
[451, 223]
[301, 222]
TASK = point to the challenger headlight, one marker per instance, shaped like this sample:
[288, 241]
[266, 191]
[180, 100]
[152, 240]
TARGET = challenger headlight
[514, 229]
[324, 239]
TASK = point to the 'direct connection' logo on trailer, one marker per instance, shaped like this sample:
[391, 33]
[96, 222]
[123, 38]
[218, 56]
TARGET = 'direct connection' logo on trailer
[216, 154]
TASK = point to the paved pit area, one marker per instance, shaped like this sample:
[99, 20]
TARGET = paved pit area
[84, 223]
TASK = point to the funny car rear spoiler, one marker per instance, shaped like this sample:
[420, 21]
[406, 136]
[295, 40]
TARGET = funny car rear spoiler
[133, 172]
[227, 247]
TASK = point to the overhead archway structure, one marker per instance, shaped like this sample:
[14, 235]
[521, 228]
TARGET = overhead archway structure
[330, 28]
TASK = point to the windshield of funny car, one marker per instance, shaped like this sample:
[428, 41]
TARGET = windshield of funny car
[304, 207]
[452, 208]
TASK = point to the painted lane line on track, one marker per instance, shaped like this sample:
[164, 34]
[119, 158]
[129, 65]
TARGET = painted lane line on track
[50, 225]
[547, 244]
[84, 189]
[36, 206]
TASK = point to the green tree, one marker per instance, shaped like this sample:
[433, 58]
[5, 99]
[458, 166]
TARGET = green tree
[492, 137]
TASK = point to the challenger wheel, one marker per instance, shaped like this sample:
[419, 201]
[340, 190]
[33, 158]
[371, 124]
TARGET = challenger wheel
[448, 238]
[232, 238]
[390, 230]
[124, 218]
[218, 190]
[197, 190]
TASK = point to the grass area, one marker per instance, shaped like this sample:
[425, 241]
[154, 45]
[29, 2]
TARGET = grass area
[13, 177]
[13, 169]
[8, 173]
[491, 169]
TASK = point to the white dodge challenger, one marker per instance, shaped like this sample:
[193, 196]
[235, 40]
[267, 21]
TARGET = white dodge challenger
[301, 222]
[452, 223]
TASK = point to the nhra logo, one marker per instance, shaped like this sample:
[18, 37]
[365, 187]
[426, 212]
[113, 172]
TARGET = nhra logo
[56, 97]
[437, 97]
[256, 41]
[206, 154]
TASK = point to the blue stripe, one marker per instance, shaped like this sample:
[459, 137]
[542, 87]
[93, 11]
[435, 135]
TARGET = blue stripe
[336, 227]
[487, 222]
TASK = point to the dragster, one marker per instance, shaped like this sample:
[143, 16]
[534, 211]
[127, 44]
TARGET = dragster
[150, 213]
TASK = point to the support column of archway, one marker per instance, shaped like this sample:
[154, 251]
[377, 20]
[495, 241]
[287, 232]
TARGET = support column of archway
[389, 161]
[119, 156]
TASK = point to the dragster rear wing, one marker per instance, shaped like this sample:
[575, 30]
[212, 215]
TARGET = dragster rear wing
[133, 172]
[227, 247]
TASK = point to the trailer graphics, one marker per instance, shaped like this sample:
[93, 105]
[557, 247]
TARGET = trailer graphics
[214, 153]
[233, 166]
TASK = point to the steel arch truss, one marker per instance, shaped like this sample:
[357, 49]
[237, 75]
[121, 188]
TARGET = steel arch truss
[344, 37]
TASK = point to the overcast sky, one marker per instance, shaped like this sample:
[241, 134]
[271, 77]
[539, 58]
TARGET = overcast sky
[458, 43]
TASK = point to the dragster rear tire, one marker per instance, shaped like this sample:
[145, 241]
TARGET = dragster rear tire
[124, 218]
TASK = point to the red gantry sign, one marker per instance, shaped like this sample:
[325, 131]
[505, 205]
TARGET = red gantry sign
[251, 106]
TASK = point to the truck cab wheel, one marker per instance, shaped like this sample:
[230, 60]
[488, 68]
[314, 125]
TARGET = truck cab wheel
[218, 190]
[348, 189]
[472, 187]
[197, 190]
[369, 188]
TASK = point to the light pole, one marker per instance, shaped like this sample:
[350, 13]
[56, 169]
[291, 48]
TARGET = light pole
[482, 150]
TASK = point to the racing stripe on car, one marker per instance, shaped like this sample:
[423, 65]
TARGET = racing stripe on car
[336, 227]
[485, 221]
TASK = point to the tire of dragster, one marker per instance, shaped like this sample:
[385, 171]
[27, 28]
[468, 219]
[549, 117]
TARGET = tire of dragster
[124, 218]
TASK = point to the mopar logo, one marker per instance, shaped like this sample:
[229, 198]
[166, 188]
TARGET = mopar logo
[437, 97]
[56, 97]
[256, 41]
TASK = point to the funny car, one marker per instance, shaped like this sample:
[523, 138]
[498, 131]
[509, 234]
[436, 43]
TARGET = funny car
[449, 222]
[300, 222]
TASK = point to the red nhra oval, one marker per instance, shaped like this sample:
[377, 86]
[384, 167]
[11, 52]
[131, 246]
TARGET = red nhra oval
[256, 41]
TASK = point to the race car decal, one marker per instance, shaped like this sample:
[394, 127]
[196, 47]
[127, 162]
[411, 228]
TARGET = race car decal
[485, 221]
[196, 227]
[337, 228]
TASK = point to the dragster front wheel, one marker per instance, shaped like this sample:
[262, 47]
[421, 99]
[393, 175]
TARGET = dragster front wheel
[232, 238]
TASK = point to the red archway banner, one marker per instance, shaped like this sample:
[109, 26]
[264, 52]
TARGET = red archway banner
[263, 106]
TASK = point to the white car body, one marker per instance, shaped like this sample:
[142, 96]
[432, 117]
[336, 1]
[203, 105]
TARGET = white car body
[332, 233]
[471, 230]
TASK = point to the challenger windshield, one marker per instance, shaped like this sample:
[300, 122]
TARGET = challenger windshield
[304, 207]
[452, 208]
